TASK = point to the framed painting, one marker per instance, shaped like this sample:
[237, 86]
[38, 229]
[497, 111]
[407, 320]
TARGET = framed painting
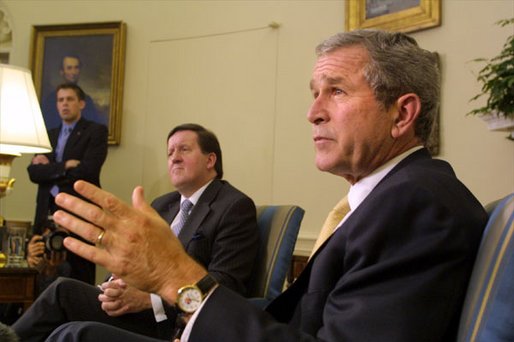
[393, 15]
[90, 55]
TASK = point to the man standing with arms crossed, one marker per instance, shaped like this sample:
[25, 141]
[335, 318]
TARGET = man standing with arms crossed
[79, 151]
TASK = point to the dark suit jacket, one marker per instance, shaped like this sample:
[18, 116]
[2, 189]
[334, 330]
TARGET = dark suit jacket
[221, 232]
[396, 270]
[87, 143]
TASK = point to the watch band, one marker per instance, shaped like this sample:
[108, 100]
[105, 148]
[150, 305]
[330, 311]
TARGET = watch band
[206, 284]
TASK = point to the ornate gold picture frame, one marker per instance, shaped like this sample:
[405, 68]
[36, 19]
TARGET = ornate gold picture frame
[91, 55]
[393, 15]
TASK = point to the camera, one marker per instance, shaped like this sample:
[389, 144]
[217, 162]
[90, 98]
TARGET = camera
[53, 239]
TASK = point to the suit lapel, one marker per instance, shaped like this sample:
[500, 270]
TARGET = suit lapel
[172, 211]
[413, 157]
[53, 135]
[199, 212]
[74, 137]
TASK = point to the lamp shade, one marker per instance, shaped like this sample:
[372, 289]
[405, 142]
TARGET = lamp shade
[22, 128]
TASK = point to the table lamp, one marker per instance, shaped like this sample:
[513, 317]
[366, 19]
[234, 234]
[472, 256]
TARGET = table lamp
[22, 128]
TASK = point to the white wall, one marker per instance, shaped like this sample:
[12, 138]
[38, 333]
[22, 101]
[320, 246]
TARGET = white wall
[268, 149]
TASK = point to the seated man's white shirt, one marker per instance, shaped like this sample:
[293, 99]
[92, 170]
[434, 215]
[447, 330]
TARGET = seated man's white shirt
[360, 190]
[357, 194]
[157, 305]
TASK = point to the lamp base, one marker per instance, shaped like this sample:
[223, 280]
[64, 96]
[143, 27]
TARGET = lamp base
[6, 187]
[6, 183]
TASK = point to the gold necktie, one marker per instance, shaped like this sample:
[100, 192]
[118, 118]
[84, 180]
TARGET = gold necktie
[334, 217]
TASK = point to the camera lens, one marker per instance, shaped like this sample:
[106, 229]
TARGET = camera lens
[54, 241]
[57, 243]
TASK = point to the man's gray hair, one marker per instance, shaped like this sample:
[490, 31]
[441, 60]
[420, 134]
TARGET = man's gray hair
[397, 66]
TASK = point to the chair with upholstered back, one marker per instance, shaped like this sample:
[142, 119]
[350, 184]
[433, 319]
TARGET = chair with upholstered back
[278, 227]
[488, 313]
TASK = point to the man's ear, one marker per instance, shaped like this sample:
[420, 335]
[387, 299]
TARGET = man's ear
[211, 160]
[82, 104]
[407, 111]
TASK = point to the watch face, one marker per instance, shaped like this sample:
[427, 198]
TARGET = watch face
[189, 299]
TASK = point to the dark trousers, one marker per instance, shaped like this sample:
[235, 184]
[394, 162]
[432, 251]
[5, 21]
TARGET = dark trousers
[67, 300]
[95, 332]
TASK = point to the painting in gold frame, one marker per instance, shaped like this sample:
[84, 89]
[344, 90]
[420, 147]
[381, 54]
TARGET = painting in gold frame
[91, 55]
[393, 15]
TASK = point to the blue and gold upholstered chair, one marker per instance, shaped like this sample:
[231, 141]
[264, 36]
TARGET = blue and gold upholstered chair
[278, 226]
[488, 313]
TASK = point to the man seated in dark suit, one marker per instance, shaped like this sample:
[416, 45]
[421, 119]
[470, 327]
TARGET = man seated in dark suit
[79, 151]
[219, 232]
[397, 266]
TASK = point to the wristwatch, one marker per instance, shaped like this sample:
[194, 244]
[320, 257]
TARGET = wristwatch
[190, 297]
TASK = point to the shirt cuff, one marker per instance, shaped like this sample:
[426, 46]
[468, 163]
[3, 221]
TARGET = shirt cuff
[158, 308]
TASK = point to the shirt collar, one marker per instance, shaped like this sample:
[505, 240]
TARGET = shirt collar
[360, 190]
[71, 126]
[196, 196]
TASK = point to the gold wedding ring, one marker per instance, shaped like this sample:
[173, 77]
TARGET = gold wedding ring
[98, 242]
